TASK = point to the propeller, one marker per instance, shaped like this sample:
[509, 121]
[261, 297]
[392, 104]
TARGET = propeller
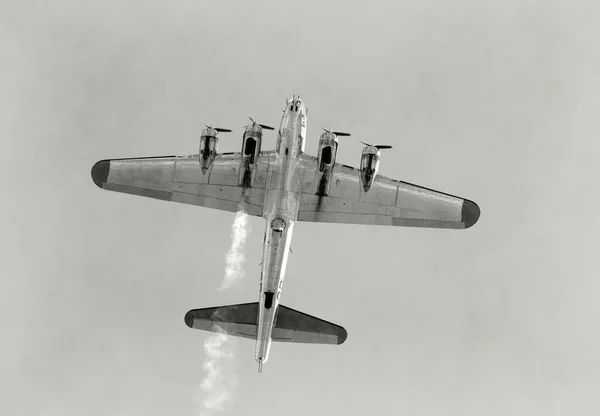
[219, 129]
[262, 125]
[378, 146]
[337, 133]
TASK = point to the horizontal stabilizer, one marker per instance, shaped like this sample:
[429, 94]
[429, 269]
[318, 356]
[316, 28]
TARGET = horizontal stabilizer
[238, 320]
[295, 326]
[242, 321]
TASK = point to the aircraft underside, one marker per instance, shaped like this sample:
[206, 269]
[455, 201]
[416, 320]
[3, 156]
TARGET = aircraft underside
[284, 186]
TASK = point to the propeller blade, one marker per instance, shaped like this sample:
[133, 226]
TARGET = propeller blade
[219, 129]
[264, 126]
[366, 144]
[382, 146]
[337, 133]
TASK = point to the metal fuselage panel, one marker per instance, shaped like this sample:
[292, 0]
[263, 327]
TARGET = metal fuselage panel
[281, 207]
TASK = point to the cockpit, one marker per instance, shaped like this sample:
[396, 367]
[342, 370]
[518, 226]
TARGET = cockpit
[295, 104]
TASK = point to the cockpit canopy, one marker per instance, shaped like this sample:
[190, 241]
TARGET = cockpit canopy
[295, 104]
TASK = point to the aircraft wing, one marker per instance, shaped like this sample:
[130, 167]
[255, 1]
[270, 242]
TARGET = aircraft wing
[180, 179]
[388, 202]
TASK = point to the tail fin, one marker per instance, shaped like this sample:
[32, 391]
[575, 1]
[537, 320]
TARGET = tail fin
[290, 325]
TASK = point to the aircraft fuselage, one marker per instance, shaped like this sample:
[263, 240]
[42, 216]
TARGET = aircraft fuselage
[280, 212]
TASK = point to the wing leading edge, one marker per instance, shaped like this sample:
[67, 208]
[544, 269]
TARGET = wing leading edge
[388, 202]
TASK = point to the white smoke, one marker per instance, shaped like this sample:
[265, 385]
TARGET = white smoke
[235, 256]
[219, 381]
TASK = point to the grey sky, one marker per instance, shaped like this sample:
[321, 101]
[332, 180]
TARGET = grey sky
[494, 102]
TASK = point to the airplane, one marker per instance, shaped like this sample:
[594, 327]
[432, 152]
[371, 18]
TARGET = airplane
[283, 186]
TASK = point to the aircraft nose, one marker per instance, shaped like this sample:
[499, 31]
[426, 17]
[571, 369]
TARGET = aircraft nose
[295, 104]
[100, 172]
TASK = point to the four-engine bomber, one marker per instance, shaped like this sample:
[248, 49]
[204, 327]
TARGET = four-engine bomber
[287, 180]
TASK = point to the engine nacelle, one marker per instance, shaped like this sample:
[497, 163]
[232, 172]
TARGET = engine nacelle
[328, 145]
[251, 143]
[209, 142]
[369, 166]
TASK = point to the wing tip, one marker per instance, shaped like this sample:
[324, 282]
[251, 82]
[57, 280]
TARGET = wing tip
[470, 213]
[189, 319]
[342, 336]
[100, 172]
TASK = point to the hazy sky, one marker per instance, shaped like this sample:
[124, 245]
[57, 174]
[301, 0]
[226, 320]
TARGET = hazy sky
[494, 102]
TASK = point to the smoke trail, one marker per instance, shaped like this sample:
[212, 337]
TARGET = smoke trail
[220, 381]
[235, 256]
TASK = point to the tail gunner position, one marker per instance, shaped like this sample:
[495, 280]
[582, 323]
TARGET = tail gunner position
[283, 186]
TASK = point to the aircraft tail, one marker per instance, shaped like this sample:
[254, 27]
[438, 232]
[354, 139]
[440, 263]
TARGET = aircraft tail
[290, 325]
